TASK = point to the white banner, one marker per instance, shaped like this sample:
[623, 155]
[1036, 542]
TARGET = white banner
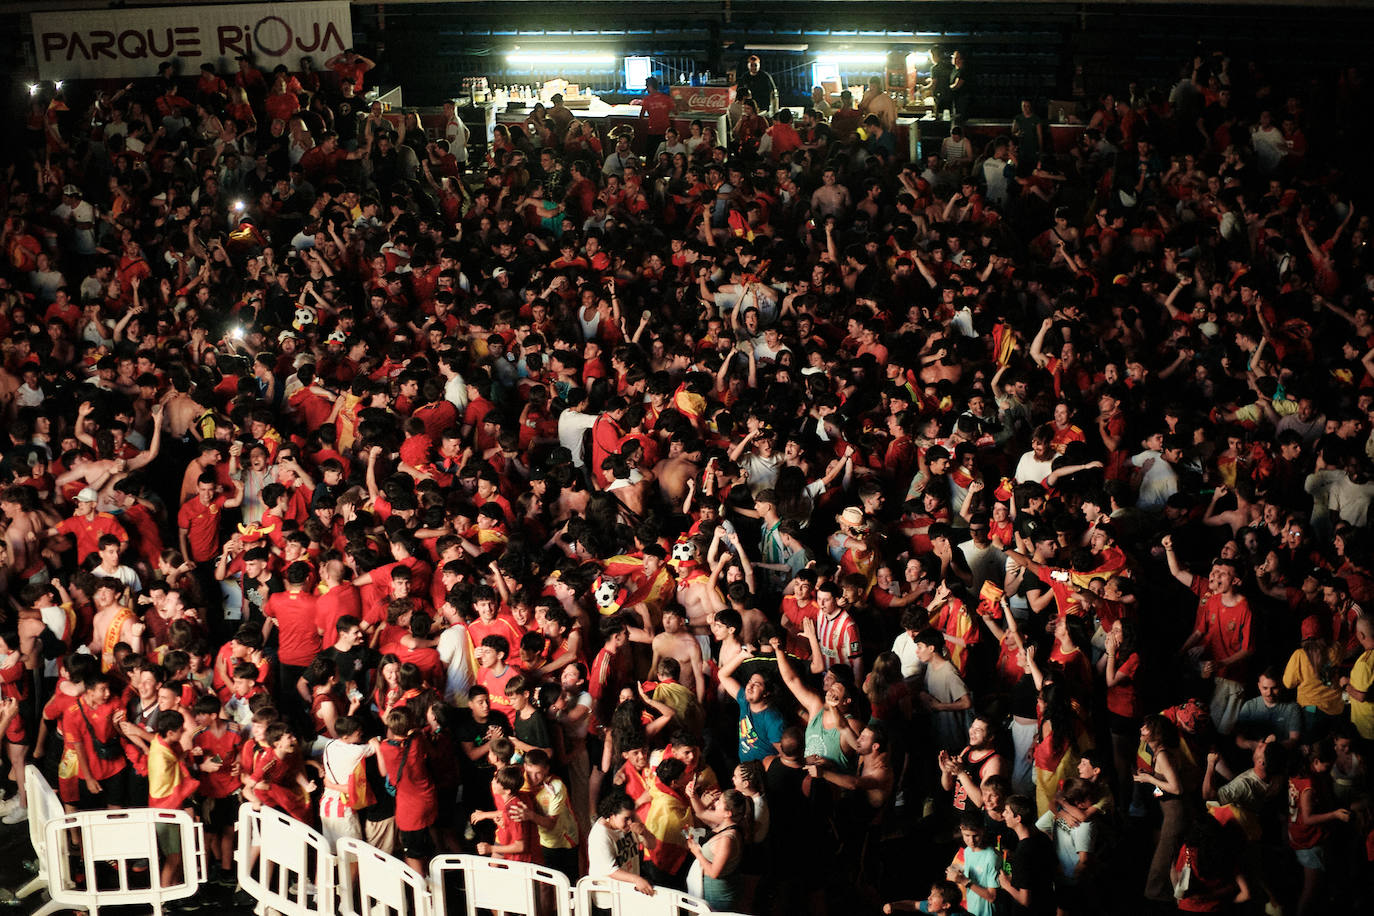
[128, 43]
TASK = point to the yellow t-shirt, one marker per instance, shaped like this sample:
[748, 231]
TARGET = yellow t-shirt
[1362, 711]
[1311, 690]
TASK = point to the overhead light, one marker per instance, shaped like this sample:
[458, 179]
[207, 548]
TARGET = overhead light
[541, 58]
[772, 47]
[919, 58]
[852, 57]
[33, 89]
[57, 85]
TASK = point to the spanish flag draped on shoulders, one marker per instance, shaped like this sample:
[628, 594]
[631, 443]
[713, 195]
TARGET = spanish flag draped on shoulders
[170, 783]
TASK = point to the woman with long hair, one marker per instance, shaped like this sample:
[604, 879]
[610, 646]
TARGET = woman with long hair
[1160, 767]
[1119, 665]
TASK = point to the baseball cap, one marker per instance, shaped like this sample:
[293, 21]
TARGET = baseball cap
[71, 190]
[498, 272]
[1311, 627]
[87, 495]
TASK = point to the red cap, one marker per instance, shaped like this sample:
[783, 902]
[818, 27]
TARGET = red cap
[1311, 627]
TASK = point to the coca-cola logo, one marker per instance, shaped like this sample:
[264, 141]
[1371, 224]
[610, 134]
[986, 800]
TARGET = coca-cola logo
[705, 100]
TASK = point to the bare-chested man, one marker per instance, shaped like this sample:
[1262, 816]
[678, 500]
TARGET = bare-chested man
[695, 591]
[182, 409]
[210, 455]
[677, 642]
[114, 623]
[19, 504]
[682, 464]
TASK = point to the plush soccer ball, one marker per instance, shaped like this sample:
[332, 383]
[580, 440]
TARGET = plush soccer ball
[604, 591]
[683, 551]
[304, 318]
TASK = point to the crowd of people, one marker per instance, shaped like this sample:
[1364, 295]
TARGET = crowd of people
[766, 516]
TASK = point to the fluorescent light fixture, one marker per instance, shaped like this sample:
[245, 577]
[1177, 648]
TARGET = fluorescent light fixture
[637, 73]
[776, 47]
[852, 58]
[550, 58]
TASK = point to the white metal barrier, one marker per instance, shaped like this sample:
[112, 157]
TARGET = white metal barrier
[622, 899]
[122, 853]
[512, 888]
[372, 883]
[44, 806]
[284, 864]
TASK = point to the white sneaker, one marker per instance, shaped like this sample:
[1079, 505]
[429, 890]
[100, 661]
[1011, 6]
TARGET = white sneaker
[17, 815]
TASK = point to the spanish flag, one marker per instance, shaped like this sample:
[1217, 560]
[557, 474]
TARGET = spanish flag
[1003, 343]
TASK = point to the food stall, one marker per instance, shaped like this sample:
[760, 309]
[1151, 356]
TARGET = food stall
[707, 104]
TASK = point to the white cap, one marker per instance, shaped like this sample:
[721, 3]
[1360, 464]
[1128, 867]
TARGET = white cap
[87, 495]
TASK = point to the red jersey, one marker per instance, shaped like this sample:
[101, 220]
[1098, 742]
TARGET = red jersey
[1302, 835]
[343, 600]
[88, 531]
[201, 523]
[295, 613]
[405, 763]
[83, 726]
[1227, 631]
[500, 625]
[221, 783]
[509, 831]
[496, 686]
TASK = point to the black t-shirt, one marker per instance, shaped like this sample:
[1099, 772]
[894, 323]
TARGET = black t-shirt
[346, 118]
[534, 730]
[1033, 866]
[470, 730]
[354, 665]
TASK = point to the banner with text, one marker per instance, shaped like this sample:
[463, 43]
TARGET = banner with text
[128, 43]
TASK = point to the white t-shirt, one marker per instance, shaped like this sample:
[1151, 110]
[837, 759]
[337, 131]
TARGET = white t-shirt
[456, 392]
[763, 472]
[571, 426]
[1032, 470]
[609, 849]
[1159, 483]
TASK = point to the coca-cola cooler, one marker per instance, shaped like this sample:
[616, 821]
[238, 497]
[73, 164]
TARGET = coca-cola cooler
[703, 99]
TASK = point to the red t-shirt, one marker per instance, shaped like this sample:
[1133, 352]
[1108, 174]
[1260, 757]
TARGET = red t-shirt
[500, 625]
[295, 613]
[1302, 835]
[1121, 696]
[496, 686]
[202, 527]
[222, 783]
[1227, 632]
[509, 831]
[76, 732]
[89, 530]
[343, 600]
[657, 109]
[406, 766]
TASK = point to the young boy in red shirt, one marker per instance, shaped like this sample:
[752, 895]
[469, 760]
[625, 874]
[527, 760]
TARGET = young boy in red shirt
[214, 746]
[404, 759]
[516, 841]
[279, 780]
